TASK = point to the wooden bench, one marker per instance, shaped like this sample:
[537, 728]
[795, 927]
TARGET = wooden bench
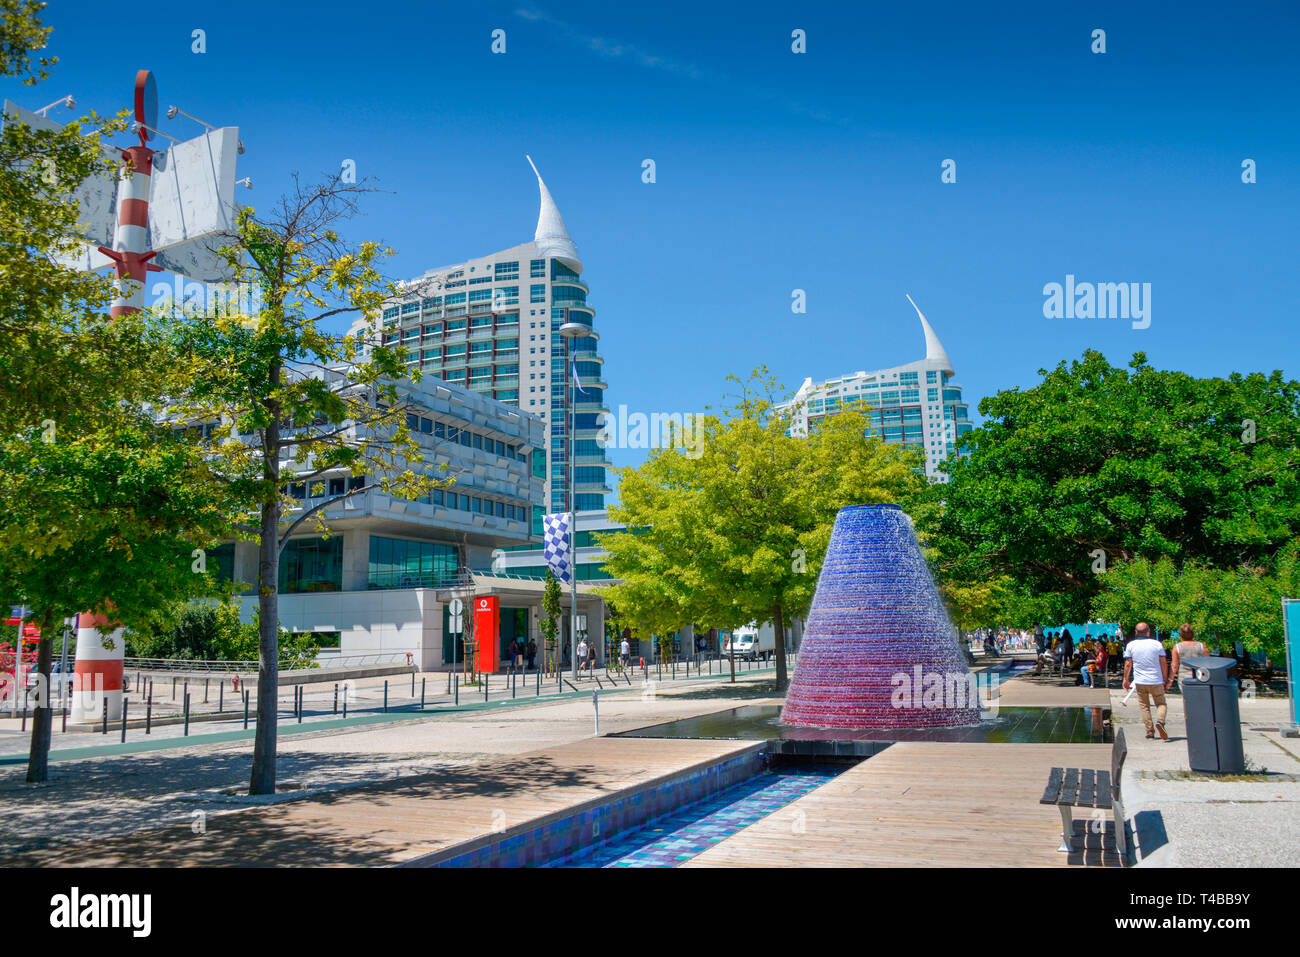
[1069, 788]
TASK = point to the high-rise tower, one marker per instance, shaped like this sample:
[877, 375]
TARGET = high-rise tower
[492, 324]
[918, 405]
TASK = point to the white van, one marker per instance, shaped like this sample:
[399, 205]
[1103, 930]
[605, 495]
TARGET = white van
[751, 642]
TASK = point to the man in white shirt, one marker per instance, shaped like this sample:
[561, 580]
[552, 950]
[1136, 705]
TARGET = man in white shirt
[625, 652]
[1145, 666]
[582, 654]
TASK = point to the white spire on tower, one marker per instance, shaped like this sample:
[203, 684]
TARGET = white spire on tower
[934, 351]
[552, 235]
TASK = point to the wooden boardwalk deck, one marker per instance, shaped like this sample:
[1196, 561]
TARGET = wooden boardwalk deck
[387, 824]
[922, 805]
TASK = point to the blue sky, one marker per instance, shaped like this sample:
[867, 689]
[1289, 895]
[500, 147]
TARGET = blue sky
[778, 171]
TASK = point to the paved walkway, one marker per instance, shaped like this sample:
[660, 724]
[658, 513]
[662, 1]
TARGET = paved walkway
[118, 794]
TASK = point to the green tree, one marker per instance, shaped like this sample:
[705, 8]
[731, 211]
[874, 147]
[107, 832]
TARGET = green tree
[1228, 605]
[550, 622]
[1098, 464]
[737, 518]
[213, 631]
[100, 527]
[290, 403]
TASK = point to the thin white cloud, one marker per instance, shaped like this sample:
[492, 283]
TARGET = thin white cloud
[610, 49]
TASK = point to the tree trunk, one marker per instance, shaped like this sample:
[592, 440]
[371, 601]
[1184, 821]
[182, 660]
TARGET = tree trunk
[38, 760]
[268, 653]
[778, 622]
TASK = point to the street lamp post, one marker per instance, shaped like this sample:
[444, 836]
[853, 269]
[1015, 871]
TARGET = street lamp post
[573, 331]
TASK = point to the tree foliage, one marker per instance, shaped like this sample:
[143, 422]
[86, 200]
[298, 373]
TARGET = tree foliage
[212, 631]
[1098, 462]
[736, 521]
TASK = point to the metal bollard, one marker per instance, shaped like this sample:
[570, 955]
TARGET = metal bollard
[345, 704]
[336, 698]
[205, 690]
[26, 695]
[595, 704]
[514, 682]
[385, 696]
[539, 682]
[66, 708]
[221, 698]
[412, 684]
[485, 685]
[422, 681]
[105, 731]
[148, 715]
[245, 709]
[173, 687]
[457, 692]
[125, 702]
[187, 713]
[301, 696]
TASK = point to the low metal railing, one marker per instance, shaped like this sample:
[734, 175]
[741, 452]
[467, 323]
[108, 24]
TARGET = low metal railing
[324, 659]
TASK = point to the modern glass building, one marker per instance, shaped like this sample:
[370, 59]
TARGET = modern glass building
[491, 325]
[918, 405]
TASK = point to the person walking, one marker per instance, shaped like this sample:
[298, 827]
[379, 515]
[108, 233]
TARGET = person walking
[624, 653]
[1187, 647]
[1146, 667]
[582, 653]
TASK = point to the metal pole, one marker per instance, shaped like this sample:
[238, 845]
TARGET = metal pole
[573, 511]
[105, 731]
[595, 704]
[125, 702]
[422, 680]
[385, 696]
[345, 702]
[245, 709]
[412, 684]
[301, 689]
[148, 715]
[336, 697]
[205, 690]
[485, 685]
[457, 692]
[221, 698]
[187, 713]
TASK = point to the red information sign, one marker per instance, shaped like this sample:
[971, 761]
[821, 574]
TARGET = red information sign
[486, 631]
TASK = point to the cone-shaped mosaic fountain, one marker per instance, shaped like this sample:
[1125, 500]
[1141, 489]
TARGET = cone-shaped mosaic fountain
[878, 650]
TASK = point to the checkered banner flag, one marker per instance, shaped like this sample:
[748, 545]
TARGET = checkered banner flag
[557, 544]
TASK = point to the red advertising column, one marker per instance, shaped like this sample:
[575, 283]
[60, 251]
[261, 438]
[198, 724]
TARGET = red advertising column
[487, 622]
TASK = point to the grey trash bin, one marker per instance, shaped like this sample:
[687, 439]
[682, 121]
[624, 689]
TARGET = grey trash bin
[1213, 718]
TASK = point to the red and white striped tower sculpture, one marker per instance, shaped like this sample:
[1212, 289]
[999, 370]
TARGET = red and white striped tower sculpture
[97, 676]
[130, 252]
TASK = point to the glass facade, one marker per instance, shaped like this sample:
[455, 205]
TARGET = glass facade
[399, 563]
[312, 564]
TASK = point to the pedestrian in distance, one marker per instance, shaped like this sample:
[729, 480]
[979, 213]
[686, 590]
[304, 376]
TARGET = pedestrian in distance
[1146, 667]
[1187, 647]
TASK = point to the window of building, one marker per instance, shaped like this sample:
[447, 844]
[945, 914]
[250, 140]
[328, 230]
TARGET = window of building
[398, 563]
[312, 564]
